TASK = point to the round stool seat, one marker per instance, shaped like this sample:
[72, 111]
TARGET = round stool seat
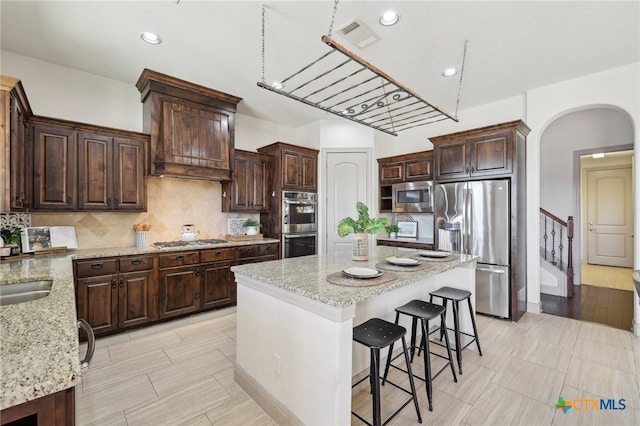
[451, 293]
[421, 309]
[378, 333]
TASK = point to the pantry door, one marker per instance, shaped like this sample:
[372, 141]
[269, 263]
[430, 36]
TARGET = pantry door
[610, 217]
[348, 180]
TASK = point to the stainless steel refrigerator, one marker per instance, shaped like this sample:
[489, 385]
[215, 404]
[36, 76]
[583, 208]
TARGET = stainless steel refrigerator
[474, 218]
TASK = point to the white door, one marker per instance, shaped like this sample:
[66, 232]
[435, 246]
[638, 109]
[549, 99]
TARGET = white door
[347, 182]
[610, 217]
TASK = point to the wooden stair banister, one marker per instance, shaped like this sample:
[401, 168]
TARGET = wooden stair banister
[568, 225]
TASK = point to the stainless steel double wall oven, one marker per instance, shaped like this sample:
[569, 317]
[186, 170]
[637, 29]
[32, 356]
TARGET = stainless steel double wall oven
[299, 223]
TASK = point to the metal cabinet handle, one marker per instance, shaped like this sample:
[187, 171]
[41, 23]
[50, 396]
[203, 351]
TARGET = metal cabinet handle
[218, 253]
[136, 261]
[116, 202]
[69, 200]
[197, 272]
[466, 170]
[91, 343]
[180, 257]
[97, 265]
[121, 283]
[113, 283]
[472, 169]
[109, 202]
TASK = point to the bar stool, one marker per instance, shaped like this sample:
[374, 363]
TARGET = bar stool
[456, 296]
[425, 311]
[376, 334]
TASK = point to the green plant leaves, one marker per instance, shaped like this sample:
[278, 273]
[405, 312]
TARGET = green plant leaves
[364, 224]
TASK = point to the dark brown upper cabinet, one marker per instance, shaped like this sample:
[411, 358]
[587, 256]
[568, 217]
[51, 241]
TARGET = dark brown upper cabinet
[192, 127]
[478, 153]
[86, 167]
[249, 188]
[295, 167]
[402, 168]
[15, 171]
[111, 173]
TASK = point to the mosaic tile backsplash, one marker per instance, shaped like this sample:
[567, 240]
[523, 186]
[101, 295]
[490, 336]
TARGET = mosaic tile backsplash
[14, 220]
[171, 203]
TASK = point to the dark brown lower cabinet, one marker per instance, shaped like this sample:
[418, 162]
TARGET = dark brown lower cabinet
[57, 409]
[116, 293]
[179, 291]
[218, 282]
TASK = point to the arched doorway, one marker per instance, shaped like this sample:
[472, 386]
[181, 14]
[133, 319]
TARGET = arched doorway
[566, 171]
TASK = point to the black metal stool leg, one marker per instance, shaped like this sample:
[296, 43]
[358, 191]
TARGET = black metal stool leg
[456, 331]
[427, 363]
[387, 364]
[443, 324]
[446, 339]
[375, 380]
[475, 329]
[413, 386]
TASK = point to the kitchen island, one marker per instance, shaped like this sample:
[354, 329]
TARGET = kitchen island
[294, 349]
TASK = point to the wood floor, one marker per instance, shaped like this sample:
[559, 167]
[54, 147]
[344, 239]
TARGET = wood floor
[181, 373]
[596, 304]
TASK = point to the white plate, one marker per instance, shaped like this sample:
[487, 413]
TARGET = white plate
[431, 253]
[357, 272]
[402, 261]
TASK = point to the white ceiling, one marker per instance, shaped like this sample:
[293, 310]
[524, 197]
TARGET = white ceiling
[513, 46]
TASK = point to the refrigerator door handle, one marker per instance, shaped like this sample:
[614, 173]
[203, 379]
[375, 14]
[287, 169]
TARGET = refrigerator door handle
[494, 271]
[468, 220]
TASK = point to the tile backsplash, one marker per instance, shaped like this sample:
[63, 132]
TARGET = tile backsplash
[14, 220]
[171, 203]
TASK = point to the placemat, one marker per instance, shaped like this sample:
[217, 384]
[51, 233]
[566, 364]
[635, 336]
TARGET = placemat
[386, 266]
[340, 279]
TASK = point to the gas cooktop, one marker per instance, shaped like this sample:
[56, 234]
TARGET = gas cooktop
[165, 244]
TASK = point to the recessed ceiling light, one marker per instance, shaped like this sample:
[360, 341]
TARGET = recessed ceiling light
[151, 38]
[390, 17]
[277, 85]
[449, 72]
[598, 155]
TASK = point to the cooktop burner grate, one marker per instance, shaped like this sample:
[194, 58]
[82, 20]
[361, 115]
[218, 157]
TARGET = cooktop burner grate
[165, 244]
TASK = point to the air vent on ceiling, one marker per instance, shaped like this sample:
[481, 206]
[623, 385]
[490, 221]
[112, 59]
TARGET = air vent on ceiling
[358, 33]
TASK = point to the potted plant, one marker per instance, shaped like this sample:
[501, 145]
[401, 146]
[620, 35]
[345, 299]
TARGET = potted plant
[392, 230]
[11, 239]
[360, 228]
[251, 226]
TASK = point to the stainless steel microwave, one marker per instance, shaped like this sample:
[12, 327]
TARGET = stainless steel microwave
[413, 197]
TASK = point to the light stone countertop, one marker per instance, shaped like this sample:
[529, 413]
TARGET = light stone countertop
[39, 339]
[306, 276]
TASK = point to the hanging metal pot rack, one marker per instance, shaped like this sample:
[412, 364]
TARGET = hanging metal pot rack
[342, 83]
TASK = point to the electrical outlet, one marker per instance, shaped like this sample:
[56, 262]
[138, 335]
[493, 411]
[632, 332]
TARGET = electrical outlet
[277, 359]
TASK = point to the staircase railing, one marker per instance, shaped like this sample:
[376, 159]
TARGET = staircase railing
[556, 243]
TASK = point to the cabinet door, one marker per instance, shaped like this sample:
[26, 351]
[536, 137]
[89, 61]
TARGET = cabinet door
[241, 184]
[196, 136]
[308, 173]
[452, 160]
[179, 290]
[259, 184]
[291, 169]
[97, 301]
[129, 189]
[136, 299]
[53, 168]
[218, 284]
[418, 169]
[392, 172]
[19, 170]
[491, 154]
[95, 173]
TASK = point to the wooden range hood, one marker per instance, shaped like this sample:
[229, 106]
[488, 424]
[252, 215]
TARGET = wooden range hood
[192, 127]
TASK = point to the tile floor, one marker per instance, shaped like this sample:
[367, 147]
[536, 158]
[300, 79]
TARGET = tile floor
[181, 373]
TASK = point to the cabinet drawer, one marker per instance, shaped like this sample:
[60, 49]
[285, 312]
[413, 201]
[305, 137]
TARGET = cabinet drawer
[135, 263]
[267, 249]
[95, 267]
[178, 258]
[248, 251]
[217, 254]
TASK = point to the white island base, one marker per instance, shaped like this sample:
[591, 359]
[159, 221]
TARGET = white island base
[295, 355]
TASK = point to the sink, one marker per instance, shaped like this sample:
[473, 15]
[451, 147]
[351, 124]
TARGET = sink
[11, 294]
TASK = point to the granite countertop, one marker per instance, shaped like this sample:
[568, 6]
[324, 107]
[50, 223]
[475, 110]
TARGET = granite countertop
[39, 339]
[306, 275]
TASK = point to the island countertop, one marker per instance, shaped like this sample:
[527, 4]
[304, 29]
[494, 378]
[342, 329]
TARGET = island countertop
[307, 275]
